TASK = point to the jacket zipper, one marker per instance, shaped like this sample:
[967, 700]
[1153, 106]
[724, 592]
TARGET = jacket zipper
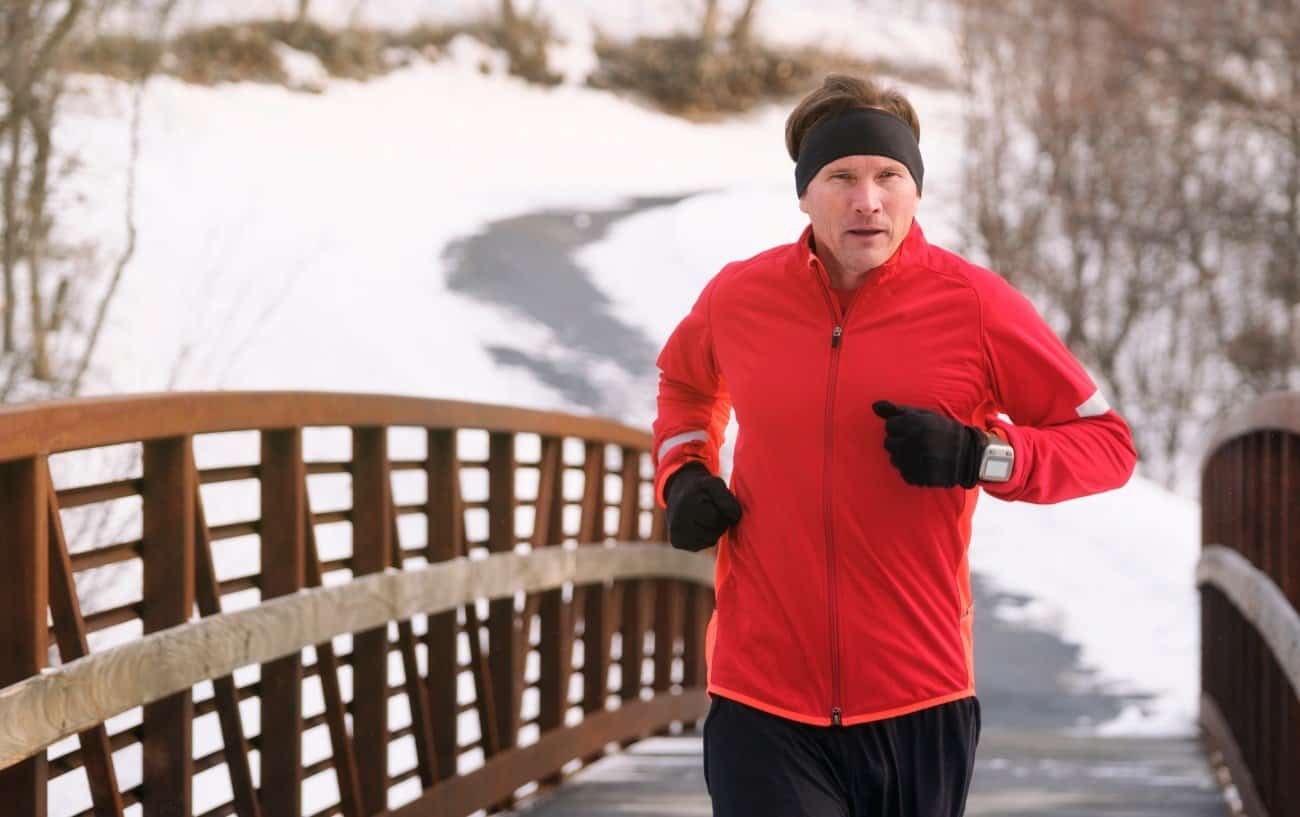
[837, 337]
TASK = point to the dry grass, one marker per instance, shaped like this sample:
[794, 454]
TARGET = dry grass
[679, 75]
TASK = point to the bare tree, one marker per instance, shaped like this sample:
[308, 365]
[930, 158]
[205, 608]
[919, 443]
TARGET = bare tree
[33, 35]
[105, 300]
[1136, 169]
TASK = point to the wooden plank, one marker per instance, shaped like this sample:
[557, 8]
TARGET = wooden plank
[503, 622]
[99, 557]
[597, 626]
[446, 530]
[283, 551]
[70, 631]
[167, 550]
[513, 768]
[416, 694]
[92, 494]
[371, 553]
[225, 695]
[635, 592]
[327, 667]
[24, 589]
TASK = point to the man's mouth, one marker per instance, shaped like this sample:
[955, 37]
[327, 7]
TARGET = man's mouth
[867, 232]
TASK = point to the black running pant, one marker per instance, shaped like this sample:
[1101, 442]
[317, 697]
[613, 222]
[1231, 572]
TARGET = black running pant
[915, 765]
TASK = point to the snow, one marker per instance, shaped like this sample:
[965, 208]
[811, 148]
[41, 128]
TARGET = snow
[295, 241]
[1113, 573]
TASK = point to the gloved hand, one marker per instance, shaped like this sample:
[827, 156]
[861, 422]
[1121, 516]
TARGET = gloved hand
[700, 508]
[931, 450]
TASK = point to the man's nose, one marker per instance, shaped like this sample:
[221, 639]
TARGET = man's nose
[866, 197]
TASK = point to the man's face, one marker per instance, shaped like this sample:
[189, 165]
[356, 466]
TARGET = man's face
[861, 208]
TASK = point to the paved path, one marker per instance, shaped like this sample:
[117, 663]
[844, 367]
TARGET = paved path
[1018, 773]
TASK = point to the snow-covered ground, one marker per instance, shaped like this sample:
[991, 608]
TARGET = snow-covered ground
[289, 240]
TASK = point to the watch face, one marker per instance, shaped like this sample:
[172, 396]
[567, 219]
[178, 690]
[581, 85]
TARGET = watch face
[997, 469]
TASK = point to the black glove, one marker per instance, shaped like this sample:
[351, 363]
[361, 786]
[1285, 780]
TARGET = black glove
[700, 508]
[931, 450]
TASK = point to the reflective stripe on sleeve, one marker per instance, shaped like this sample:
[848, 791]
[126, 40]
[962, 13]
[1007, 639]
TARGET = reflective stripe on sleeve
[673, 442]
[1093, 406]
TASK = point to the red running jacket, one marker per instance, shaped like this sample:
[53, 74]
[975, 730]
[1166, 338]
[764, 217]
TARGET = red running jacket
[843, 595]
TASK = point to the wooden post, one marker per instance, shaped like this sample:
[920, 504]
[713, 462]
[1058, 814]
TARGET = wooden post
[635, 591]
[167, 550]
[556, 644]
[70, 631]
[446, 532]
[503, 623]
[283, 553]
[371, 553]
[596, 619]
[24, 588]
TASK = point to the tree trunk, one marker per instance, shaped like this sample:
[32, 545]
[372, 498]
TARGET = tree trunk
[41, 117]
[12, 227]
[709, 25]
[17, 41]
[743, 30]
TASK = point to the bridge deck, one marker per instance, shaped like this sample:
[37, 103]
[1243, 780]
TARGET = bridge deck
[1017, 773]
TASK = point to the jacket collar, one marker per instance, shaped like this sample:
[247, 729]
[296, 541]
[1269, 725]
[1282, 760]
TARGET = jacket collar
[911, 249]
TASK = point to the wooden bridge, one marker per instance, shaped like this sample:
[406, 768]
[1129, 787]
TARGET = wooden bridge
[363, 605]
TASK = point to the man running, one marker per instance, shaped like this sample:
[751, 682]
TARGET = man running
[867, 369]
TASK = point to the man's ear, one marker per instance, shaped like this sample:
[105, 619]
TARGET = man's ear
[803, 203]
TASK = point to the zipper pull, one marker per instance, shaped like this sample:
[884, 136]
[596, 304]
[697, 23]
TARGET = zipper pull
[835, 716]
[835, 337]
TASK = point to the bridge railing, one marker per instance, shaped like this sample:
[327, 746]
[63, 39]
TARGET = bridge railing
[455, 603]
[1249, 574]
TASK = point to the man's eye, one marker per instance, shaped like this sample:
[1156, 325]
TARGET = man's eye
[890, 173]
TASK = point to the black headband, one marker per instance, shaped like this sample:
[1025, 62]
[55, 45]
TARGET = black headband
[860, 131]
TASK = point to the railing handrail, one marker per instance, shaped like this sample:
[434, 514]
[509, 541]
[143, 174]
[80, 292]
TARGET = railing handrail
[47, 428]
[1278, 411]
[1259, 600]
[65, 700]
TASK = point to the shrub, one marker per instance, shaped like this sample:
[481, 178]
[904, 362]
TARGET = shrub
[226, 53]
[119, 56]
